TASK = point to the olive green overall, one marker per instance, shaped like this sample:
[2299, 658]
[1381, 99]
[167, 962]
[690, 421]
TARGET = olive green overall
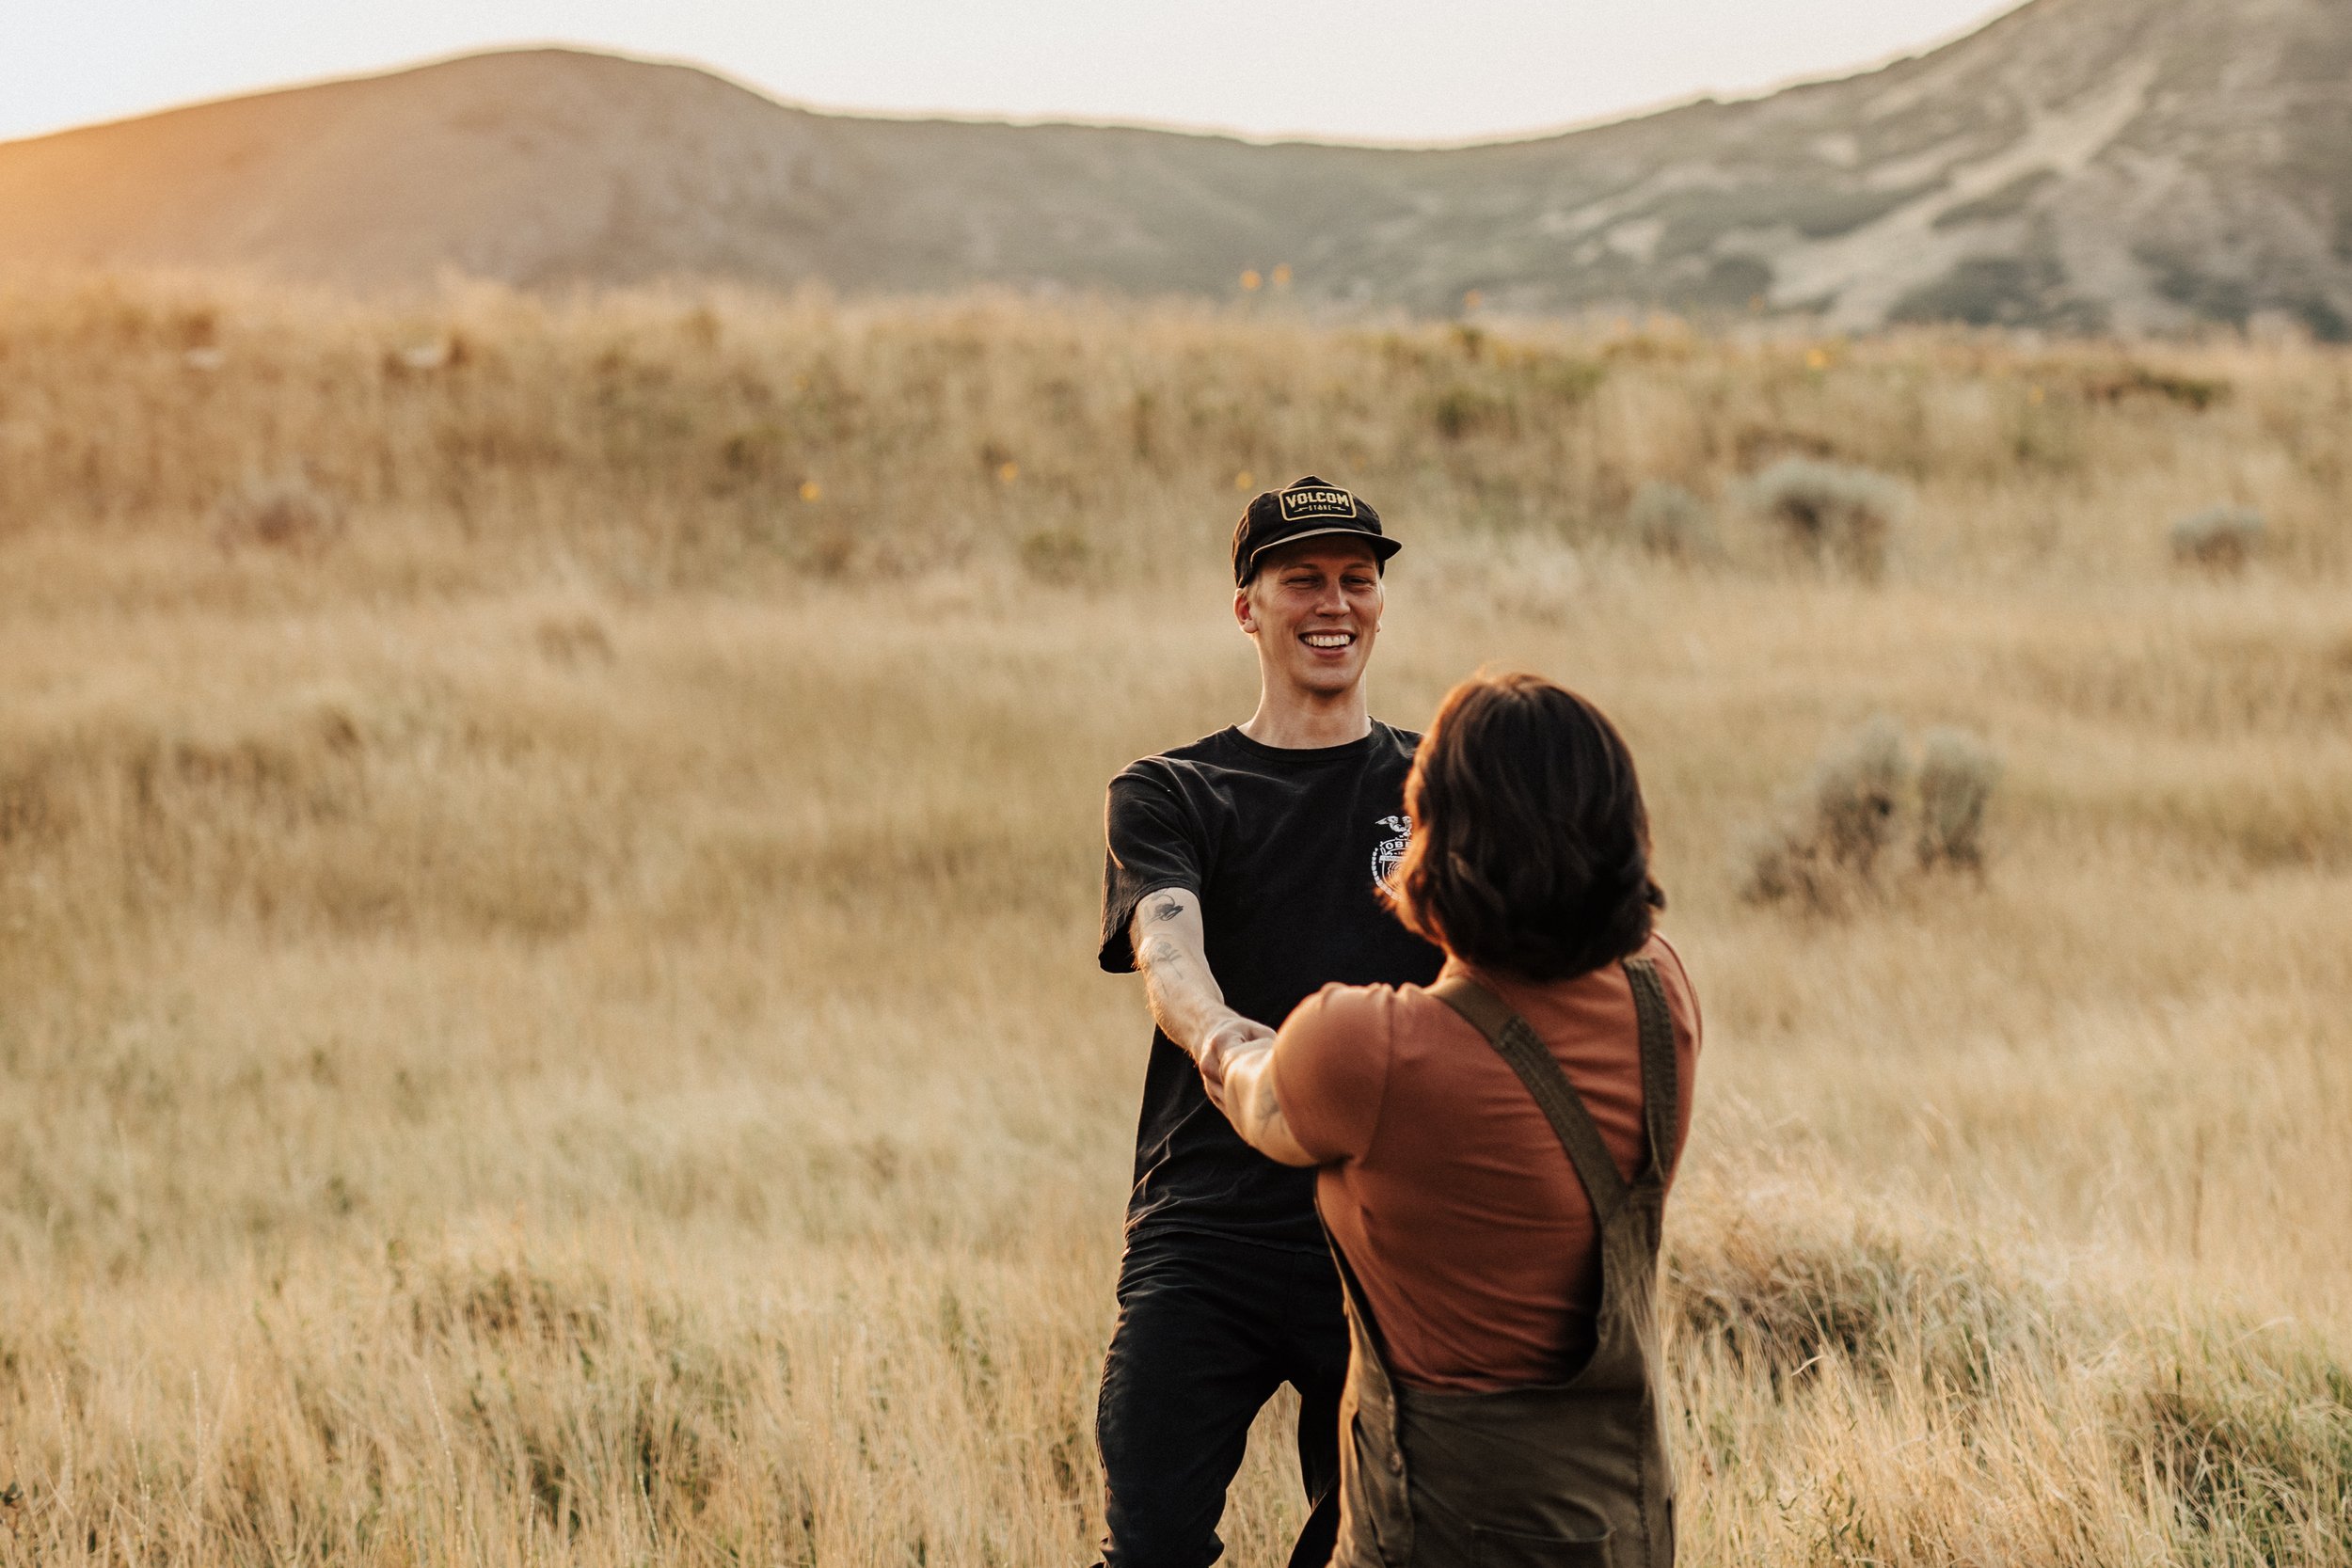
[1567, 1474]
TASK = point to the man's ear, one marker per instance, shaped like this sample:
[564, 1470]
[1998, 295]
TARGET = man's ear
[1245, 613]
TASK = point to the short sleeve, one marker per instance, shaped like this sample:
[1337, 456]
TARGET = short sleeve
[1331, 1069]
[1151, 842]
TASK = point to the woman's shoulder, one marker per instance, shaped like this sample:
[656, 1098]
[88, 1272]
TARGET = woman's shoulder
[1343, 1010]
[1681, 995]
[1386, 1008]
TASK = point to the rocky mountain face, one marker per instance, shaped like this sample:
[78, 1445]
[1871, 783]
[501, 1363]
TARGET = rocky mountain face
[2098, 165]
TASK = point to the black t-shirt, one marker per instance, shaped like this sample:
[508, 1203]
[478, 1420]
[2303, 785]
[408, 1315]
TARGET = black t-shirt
[1283, 848]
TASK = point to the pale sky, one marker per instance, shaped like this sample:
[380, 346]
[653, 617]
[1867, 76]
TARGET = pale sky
[1366, 69]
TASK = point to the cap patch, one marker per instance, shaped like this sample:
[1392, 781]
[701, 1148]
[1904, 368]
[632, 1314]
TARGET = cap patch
[1316, 502]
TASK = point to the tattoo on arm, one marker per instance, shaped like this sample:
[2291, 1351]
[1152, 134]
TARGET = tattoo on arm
[1183, 995]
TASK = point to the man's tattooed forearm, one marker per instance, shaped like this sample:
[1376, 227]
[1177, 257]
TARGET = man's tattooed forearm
[1164, 908]
[1160, 950]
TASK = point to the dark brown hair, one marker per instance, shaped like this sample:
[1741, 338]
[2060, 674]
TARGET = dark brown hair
[1531, 848]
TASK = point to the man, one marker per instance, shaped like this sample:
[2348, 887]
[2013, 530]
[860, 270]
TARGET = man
[1243, 876]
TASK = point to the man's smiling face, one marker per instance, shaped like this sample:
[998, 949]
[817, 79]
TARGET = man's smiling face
[1315, 609]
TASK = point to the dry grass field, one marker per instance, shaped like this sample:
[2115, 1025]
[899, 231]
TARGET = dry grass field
[548, 870]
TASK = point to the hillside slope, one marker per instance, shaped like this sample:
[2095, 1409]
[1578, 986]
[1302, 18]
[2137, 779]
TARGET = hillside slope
[2098, 164]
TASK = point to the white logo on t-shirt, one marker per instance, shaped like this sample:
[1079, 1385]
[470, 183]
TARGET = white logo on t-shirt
[1390, 850]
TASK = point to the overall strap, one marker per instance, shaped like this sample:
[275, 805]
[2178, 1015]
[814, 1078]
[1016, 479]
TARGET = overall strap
[1659, 1088]
[1353, 1288]
[1571, 1123]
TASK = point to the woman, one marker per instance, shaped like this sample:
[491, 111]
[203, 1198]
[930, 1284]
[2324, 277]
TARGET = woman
[1494, 1154]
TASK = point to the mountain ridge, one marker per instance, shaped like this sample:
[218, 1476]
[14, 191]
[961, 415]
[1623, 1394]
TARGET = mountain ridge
[2096, 165]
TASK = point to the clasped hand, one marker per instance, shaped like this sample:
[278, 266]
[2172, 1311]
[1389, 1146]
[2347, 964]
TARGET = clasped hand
[1235, 1036]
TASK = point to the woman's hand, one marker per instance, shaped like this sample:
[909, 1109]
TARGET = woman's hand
[1244, 1090]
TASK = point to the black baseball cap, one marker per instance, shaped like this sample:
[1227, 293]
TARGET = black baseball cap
[1305, 509]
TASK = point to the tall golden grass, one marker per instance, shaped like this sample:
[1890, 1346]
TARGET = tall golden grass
[547, 866]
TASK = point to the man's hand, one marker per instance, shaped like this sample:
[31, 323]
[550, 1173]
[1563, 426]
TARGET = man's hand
[1226, 1042]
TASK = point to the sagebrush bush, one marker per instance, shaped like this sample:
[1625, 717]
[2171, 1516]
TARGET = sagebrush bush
[1832, 512]
[1829, 840]
[1667, 520]
[1958, 773]
[1830, 834]
[2221, 538]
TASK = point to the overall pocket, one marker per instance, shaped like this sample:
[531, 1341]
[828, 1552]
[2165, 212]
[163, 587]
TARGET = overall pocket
[1374, 1497]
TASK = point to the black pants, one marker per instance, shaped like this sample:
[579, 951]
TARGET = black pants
[1208, 1329]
